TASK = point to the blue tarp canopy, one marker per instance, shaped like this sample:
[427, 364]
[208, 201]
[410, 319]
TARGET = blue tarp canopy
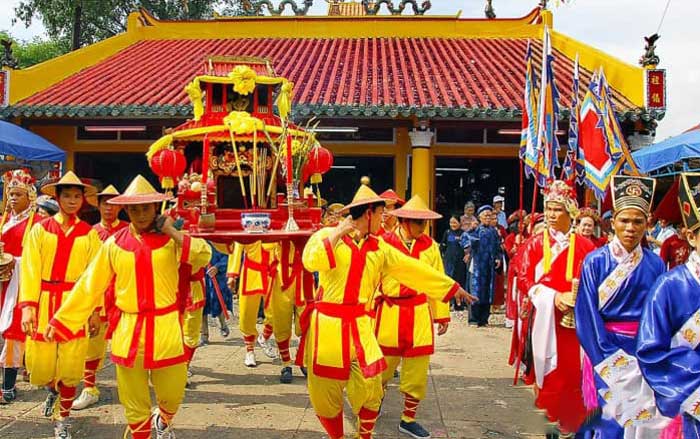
[23, 144]
[670, 151]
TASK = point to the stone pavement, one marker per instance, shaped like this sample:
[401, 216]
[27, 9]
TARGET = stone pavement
[470, 396]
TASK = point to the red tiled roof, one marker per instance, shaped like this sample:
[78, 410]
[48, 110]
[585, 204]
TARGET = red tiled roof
[438, 73]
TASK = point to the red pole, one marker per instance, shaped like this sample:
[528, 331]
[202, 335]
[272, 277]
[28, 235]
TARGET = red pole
[219, 294]
[289, 161]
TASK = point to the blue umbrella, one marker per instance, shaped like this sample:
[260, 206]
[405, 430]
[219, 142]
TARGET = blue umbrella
[668, 152]
[23, 144]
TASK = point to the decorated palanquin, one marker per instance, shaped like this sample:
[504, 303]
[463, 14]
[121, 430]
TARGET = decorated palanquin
[239, 164]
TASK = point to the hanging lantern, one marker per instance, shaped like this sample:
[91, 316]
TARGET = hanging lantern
[320, 162]
[168, 165]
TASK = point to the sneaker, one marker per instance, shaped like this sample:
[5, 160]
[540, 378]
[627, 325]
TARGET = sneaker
[50, 404]
[286, 375]
[203, 340]
[188, 383]
[224, 331]
[249, 360]
[162, 431]
[7, 396]
[303, 371]
[271, 351]
[414, 430]
[85, 400]
[397, 374]
[61, 429]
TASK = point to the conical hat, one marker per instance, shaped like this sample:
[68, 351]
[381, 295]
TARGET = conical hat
[415, 208]
[364, 195]
[392, 198]
[140, 191]
[109, 191]
[70, 179]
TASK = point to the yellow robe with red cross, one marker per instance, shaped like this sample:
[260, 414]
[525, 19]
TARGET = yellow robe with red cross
[340, 326]
[146, 296]
[405, 316]
[52, 261]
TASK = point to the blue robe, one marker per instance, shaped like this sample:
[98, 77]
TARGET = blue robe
[486, 250]
[212, 306]
[673, 373]
[625, 306]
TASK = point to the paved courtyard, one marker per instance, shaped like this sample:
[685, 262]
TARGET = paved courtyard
[470, 396]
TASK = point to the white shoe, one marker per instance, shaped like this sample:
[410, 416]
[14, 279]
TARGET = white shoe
[85, 400]
[161, 431]
[250, 359]
[61, 430]
[268, 346]
[261, 341]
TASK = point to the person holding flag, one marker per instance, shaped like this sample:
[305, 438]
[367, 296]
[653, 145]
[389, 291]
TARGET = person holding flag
[550, 265]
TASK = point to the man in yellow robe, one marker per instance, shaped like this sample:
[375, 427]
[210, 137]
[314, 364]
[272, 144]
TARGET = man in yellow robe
[147, 342]
[97, 346]
[254, 264]
[57, 252]
[340, 348]
[405, 316]
[293, 287]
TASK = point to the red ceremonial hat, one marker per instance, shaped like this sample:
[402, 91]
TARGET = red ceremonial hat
[392, 197]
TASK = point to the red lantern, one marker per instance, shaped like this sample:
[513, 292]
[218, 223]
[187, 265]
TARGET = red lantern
[320, 162]
[169, 165]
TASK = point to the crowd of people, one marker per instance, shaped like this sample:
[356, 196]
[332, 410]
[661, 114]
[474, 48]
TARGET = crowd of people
[602, 329]
[144, 289]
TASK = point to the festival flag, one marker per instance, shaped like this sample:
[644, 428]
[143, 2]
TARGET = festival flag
[528, 137]
[595, 137]
[572, 166]
[548, 115]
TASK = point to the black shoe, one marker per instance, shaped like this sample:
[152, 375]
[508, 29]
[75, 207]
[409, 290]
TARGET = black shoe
[304, 371]
[286, 375]
[396, 374]
[414, 430]
[49, 404]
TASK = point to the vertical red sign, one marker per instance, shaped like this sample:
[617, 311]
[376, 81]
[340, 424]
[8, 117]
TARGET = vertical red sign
[4, 89]
[656, 89]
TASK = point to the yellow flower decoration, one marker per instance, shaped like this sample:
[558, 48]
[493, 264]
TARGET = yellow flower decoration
[243, 79]
[241, 122]
[194, 92]
[284, 100]
[297, 147]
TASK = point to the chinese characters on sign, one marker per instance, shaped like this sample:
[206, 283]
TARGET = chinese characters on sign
[4, 89]
[656, 89]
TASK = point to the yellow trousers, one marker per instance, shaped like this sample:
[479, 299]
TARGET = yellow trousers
[56, 362]
[248, 307]
[97, 345]
[285, 313]
[192, 326]
[134, 394]
[414, 374]
[326, 394]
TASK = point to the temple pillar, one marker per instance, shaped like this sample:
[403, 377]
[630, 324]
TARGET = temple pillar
[421, 172]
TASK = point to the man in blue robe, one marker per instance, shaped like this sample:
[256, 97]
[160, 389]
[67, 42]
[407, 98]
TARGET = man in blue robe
[486, 256]
[669, 331]
[615, 282]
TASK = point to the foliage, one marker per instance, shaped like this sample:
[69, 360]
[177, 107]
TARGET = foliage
[34, 51]
[100, 19]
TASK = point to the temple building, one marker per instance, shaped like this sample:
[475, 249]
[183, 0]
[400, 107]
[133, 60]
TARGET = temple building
[425, 104]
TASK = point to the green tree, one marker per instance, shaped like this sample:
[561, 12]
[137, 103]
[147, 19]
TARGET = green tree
[76, 23]
[34, 51]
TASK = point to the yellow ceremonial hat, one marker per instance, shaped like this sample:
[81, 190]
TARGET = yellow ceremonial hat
[109, 191]
[415, 208]
[364, 195]
[70, 179]
[139, 191]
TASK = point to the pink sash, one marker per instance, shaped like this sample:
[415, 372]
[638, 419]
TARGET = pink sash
[590, 396]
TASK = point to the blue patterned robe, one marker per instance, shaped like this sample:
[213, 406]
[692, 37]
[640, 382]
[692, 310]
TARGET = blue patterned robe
[625, 305]
[486, 250]
[667, 349]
